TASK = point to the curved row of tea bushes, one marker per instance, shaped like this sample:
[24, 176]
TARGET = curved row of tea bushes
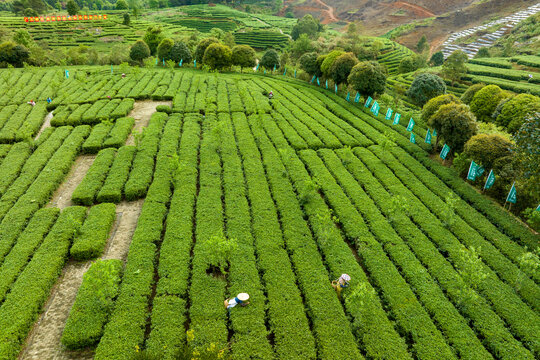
[86, 191]
[120, 132]
[95, 141]
[92, 237]
[15, 121]
[93, 304]
[117, 176]
[12, 164]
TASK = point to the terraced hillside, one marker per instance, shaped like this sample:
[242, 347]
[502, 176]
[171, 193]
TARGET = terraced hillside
[242, 194]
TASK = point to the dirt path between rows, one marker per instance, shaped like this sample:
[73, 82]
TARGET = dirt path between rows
[46, 124]
[416, 9]
[43, 342]
[329, 12]
[142, 111]
[62, 196]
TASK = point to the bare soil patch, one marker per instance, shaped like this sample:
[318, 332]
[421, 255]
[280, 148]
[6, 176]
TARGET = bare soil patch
[46, 124]
[142, 111]
[127, 214]
[62, 196]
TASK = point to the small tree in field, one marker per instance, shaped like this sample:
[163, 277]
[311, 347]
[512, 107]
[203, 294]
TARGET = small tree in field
[127, 19]
[180, 51]
[455, 124]
[308, 63]
[368, 78]
[121, 5]
[422, 44]
[152, 37]
[270, 59]
[72, 7]
[454, 67]
[341, 68]
[434, 104]
[437, 59]
[139, 51]
[468, 95]
[243, 56]
[201, 48]
[164, 49]
[217, 56]
[485, 101]
[425, 87]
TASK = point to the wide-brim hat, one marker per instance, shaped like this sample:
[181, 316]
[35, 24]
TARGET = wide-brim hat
[345, 277]
[243, 296]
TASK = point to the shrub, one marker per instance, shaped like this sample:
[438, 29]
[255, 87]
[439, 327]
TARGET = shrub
[270, 59]
[179, 52]
[486, 100]
[425, 87]
[455, 124]
[515, 111]
[434, 104]
[153, 37]
[119, 133]
[329, 60]
[139, 51]
[91, 241]
[437, 59]
[306, 25]
[485, 149]
[454, 66]
[217, 56]
[13, 54]
[118, 175]
[86, 192]
[243, 56]
[468, 95]
[368, 78]
[164, 49]
[93, 304]
[341, 68]
[308, 63]
[201, 48]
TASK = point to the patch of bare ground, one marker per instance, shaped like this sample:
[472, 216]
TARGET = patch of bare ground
[46, 124]
[142, 111]
[62, 196]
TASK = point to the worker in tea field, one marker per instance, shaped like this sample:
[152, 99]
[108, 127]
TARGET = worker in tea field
[49, 100]
[270, 95]
[31, 102]
[341, 283]
[240, 299]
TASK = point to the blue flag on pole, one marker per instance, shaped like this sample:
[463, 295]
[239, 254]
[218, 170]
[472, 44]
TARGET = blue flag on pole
[538, 208]
[195, 63]
[274, 68]
[490, 180]
[295, 73]
[375, 108]
[181, 62]
[389, 114]
[257, 67]
[318, 82]
[335, 88]
[313, 79]
[434, 132]
[348, 96]
[357, 97]
[156, 61]
[67, 73]
[163, 61]
[479, 170]
[264, 72]
[396, 119]
[413, 139]
[368, 101]
[428, 137]
[111, 69]
[444, 152]
[285, 72]
[410, 126]
[471, 175]
[512, 196]
[326, 84]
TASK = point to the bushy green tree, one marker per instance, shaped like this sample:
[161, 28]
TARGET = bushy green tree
[468, 95]
[180, 51]
[72, 7]
[244, 56]
[301, 46]
[368, 78]
[217, 56]
[425, 87]
[329, 60]
[516, 110]
[483, 52]
[527, 150]
[437, 59]
[486, 149]
[23, 37]
[454, 67]
[164, 49]
[127, 19]
[485, 102]
[455, 124]
[406, 65]
[13, 54]
[121, 5]
[422, 44]
[434, 104]
[152, 37]
[306, 25]
[139, 51]
[341, 68]
[308, 63]
[270, 59]
[201, 48]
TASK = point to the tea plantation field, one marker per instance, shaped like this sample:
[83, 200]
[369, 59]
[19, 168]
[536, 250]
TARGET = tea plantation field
[285, 195]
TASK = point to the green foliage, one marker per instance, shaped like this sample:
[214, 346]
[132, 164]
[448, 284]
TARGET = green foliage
[486, 149]
[468, 95]
[22, 37]
[483, 52]
[127, 19]
[308, 63]
[425, 87]
[437, 59]
[243, 56]
[306, 25]
[117, 176]
[93, 304]
[87, 190]
[434, 104]
[455, 124]
[13, 54]
[485, 101]
[139, 51]
[122, 5]
[153, 37]
[516, 110]
[164, 49]
[341, 67]
[527, 149]
[368, 78]
[422, 44]
[533, 219]
[218, 57]
[406, 65]
[91, 241]
[180, 51]
[219, 250]
[329, 61]
[454, 67]
[270, 59]
[72, 7]
[301, 46]
[202, 46]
